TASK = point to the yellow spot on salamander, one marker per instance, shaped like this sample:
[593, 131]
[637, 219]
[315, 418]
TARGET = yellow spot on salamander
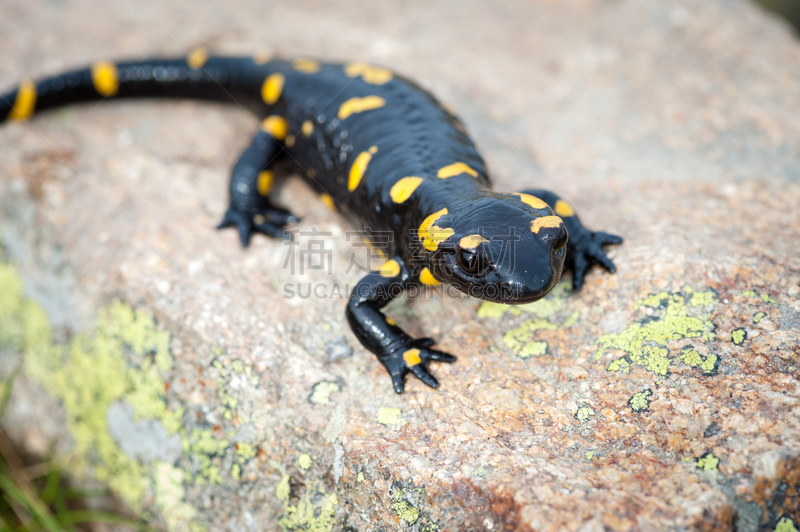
[272, 88]
[262, 57]
[533, 201]
[358, 105]
[276, 126]
[403, 189]
[370, 74]
[411, 357]
[433, 235]
[390, 321]
[197, 58]
[564, 209]
[427, 278]
[105, 78]
[545, 221]
[289, 140]
[471, 241]
[25, 102]
[359, 167]
[327, 199]
[455, 169]
[307, 128]
[265, 182]
[306, 66]
[390, 269]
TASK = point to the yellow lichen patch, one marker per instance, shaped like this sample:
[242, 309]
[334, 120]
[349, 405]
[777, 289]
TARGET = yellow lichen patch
[262, 57]
[584, 413]
[758, 316]
[522, 340]
[105, 78]
[471, 241]
[708, 462]
[391, 417]
[359, 105]
[738, 336]
[314, 511]
[25, 102]
[621, 364]
[359, 168]
[307, 128]
[390, 268]
[265, 179]
[370, 74]
[533, 201]
[666, 318]
[306, 66]
[785, 524]
[433, 235]
[455, 169]
[403, 189]
[169, 493]
[551, 222]
[121, 363]
[321, 393]
[197, 58]
[304, 462]
[564, 209]
[403, 498]
[640, 401]
[272, 88]
[411, 357]
[276, 126]
[691, 357]
[427, 278]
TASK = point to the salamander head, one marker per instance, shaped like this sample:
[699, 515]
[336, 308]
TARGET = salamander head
[506, 248]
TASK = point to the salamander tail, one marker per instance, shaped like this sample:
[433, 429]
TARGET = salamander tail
[198, 76]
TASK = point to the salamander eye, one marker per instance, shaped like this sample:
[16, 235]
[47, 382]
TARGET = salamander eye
[472, 263]
[563, 237]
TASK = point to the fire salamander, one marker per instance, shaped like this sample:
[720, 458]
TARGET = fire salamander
[388, 156]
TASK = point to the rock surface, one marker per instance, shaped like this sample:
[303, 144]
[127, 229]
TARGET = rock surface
[663, 397]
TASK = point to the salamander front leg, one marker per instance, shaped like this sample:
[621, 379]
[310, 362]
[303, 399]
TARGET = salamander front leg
[396, 350]
[250, 209]
[584, 247]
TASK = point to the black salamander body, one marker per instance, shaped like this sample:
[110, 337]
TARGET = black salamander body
[389, 157]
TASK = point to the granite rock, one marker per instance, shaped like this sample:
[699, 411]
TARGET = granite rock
[664, 397]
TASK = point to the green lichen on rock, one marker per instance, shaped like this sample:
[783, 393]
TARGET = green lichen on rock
[738, 336]
[708, 462]
[691, 357]
[584, 413]
[304, 462]
[522, 341]
[640, 401]
[202, 445]
[405, 501]
[391, 417]
[621, 364]
[122, 362]
[758, 316]
[785, 524]
[544, 308]
[168, 487]
[321, 392]
[315, 510]
[667, 317]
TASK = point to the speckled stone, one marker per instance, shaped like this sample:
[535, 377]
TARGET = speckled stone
[664, 397]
